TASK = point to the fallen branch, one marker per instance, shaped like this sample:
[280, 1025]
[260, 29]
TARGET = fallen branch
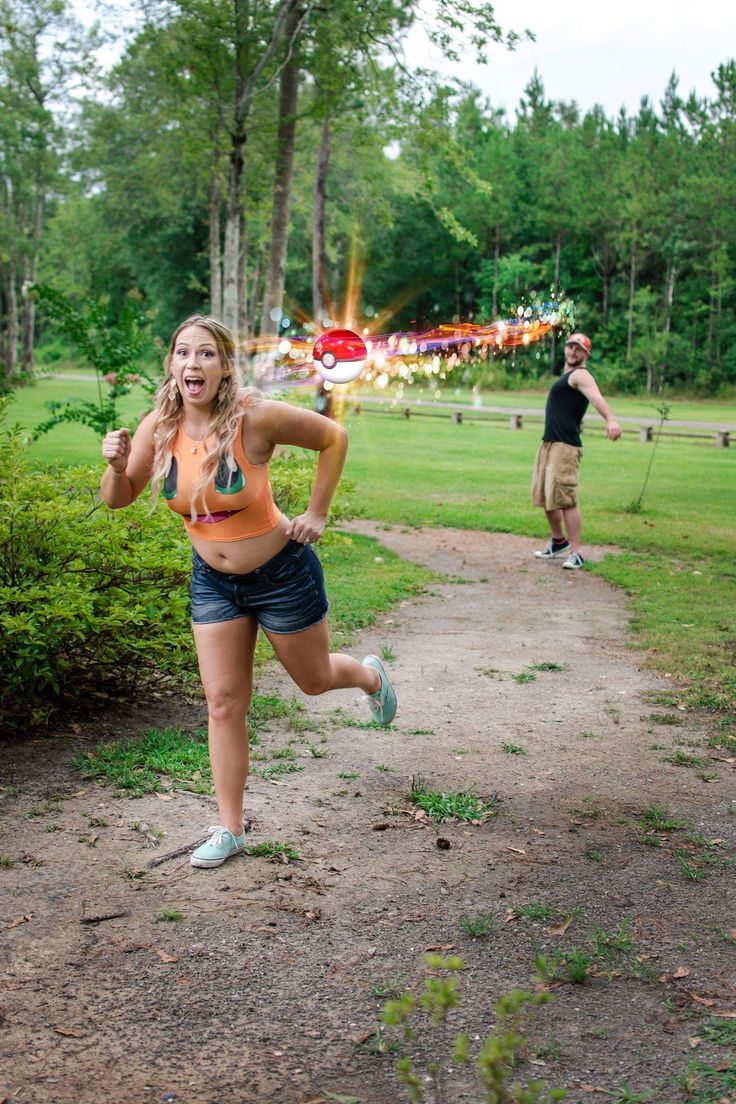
[98, 918]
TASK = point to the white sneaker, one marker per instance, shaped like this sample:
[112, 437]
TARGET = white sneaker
[552, 551]
[574, 561]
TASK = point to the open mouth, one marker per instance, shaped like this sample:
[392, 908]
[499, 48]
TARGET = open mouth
[194, 385]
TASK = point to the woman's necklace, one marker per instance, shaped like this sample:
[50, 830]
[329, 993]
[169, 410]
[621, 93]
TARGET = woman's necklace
[196, 441]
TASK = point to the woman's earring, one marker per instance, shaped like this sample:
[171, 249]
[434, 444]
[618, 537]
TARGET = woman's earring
[173, 388]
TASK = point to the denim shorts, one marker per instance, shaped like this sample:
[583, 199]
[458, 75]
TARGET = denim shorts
[286, 594]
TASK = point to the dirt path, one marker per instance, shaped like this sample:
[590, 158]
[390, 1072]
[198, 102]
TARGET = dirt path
[269, 986]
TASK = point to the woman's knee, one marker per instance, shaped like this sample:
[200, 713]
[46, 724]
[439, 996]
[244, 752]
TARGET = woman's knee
[314, 683]
[225, 705]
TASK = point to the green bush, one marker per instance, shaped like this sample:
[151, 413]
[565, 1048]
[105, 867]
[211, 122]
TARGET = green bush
[92, 601]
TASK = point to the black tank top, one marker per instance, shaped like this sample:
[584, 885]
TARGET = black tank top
[564, 412]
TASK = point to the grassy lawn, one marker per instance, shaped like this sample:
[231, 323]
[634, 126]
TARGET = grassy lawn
[678, 561]
[678, 564]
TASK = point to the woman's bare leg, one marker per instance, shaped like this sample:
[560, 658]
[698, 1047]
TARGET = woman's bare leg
[225, 653]
[307, 658]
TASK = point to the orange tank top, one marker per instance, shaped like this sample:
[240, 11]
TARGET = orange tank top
[240, 501]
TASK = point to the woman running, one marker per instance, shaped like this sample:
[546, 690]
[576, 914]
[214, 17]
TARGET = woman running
[207, 444]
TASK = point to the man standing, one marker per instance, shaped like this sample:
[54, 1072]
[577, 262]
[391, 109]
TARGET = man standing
[555, 482]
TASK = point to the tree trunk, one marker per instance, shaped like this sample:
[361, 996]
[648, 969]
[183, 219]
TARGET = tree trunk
[28, 317]
[231, 258]
[555, 294]
[496, 265]
[669, 299]
[11, 330]
[215, 250]
[273, 293]
[632, 291]
[320, 291]
[244, 323]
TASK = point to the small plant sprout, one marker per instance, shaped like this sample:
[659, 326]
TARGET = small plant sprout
[169, 916]
[451, 806]
[274, 850]
[513, 749]
[479, 926]
[387, 653]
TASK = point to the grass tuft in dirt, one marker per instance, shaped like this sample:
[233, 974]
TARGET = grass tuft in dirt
[514, 749]
[464, 806]
[136, 767]
[274, 850]
[547, 666]
[169, 916]
[479, 926]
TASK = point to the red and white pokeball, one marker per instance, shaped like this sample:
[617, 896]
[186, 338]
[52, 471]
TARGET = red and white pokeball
[339, 356]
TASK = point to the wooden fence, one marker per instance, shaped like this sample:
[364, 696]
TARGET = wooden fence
[646, 429]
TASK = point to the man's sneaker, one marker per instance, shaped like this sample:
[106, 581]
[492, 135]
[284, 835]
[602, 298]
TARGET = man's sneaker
[552, 550]
[573, 561]
[383, 702]
[220, 846]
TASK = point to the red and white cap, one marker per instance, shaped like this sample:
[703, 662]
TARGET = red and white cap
[581, 340]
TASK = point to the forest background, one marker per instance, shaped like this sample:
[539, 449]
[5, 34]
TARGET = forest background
[254, 159]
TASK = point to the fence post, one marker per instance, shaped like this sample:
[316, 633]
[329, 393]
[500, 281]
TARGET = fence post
[457, 417]
[645, 434]
[723, 438]
[407, 412]
[515, 421]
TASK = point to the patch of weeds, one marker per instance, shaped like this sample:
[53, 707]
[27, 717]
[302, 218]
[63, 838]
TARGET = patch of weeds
[495, 1063]
[589, 810]
[601, 1033]
[96, 821]
[705, 1084]
[577, 965]
[385, 769]
[6, 861]
[130, 873]
[524, 677]
[423, 732]
[273, 849]
[386, 987]
[682, 759]
[169, 916]
[387, 653]
[52, 828]
[352, 722]
[317, 752]
[625, 1095]
[348, 776]
[655, 818]
[282, 753]
[547, 666]
[278, 770]
[657, 697]
[270, 707]
[588, 735]
[490, 672]
[594, 856]
[605, 944]
[699, 857]
[379, 1044]
[11, 791]
[613, 712]
[463, 806]
[722, 741]
[664, 719]
[91, 841]
[658, 747]
[513, 749]
[536, 910]
[479, 926]
[720, 1031]
[136, 767]
[549, 1052]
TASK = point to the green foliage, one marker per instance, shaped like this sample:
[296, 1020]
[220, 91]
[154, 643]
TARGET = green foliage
[493, 1066]
[90, 600]
[451, 806]
[273, 849]
[113, 347]
[139, 766]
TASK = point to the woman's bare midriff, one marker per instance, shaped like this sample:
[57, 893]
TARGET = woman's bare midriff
[240, 557]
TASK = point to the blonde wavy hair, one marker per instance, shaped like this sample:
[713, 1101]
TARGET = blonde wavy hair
[225, 422]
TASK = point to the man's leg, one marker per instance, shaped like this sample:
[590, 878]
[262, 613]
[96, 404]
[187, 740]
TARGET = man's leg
[554, 519]
[573, 524]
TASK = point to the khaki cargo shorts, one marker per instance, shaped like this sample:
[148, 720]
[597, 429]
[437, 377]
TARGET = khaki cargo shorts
[555, 480]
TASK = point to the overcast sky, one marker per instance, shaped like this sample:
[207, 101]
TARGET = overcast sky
[593, 52]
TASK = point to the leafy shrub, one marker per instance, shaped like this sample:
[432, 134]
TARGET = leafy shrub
[92, 601]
